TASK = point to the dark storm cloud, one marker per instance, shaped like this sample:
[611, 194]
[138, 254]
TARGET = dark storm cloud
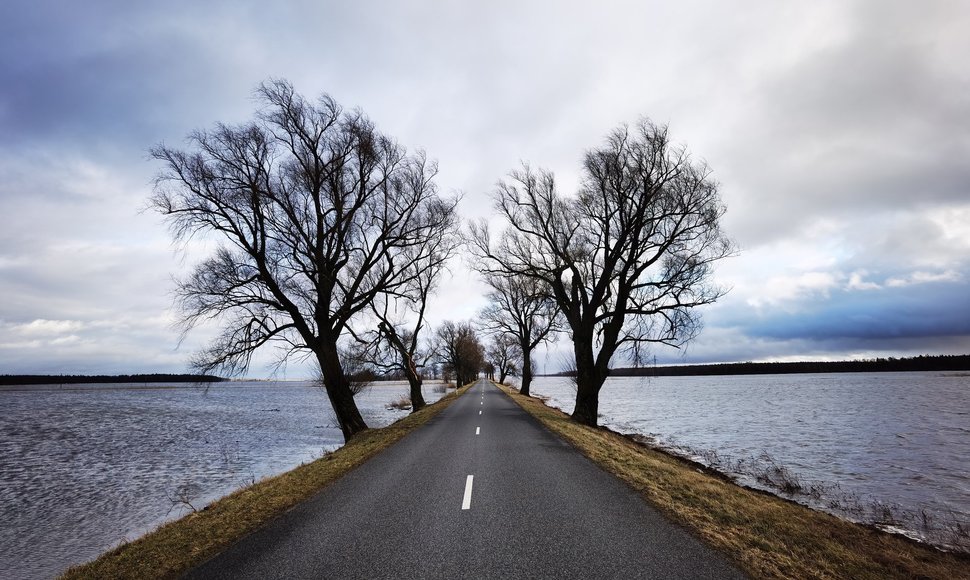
[929, 310]
[100, 74]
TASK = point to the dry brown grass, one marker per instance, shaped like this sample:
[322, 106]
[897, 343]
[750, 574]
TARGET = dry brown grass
[403, 403]
[178, 546]
[768, 537]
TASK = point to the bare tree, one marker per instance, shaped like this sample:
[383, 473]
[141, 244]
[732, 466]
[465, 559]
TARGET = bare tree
[460, 351]
[628, 259]
[401, 315]
[489, 370]
[502, 352]
[318, 214]
[520, 307]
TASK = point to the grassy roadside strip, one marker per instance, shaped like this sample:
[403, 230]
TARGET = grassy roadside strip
[766, 536]
[178, 546]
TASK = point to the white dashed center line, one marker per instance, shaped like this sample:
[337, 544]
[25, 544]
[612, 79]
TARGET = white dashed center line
[478, 430]
[466, 503]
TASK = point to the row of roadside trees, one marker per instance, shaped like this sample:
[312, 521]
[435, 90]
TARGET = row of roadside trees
[331, 238]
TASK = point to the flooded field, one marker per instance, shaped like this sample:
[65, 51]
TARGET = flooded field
[84, 467]
[883, 448]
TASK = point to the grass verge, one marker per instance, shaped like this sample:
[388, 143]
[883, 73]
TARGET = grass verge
[766, 536]
[178, 546]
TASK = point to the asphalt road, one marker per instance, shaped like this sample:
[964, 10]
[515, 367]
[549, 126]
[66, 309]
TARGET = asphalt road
[481, 491]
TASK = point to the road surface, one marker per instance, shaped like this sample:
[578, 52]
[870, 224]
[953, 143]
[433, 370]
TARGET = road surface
[481, 491]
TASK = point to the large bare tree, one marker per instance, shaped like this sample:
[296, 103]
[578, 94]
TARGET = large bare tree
[521, 308]
[317, 213]
[628, 259]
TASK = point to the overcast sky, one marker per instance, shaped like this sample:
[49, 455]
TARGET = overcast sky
[839, 132]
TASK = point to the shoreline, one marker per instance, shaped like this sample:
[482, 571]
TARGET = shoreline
[885, 475]
[891, 528]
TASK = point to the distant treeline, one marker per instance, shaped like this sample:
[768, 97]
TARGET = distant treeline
[919, 363]
[77, 379]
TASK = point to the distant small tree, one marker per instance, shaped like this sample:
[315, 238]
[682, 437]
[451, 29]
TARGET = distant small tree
[460, 351]
[628, 259]
[520, 308]
[503, 350]
[318, 213]
[489, 370]
[396, 345]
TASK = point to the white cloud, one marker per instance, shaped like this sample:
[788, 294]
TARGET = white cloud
[857, 281]
[778, 290]
[46, 328]
[920, 277]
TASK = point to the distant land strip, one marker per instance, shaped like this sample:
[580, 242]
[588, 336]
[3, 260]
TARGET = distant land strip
[940, 363]
[946, 363]
[80, 379]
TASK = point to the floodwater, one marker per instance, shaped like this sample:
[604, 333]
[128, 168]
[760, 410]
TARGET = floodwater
[85, 467]
[889, 449]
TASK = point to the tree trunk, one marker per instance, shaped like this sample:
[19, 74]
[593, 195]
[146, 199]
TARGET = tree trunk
[414, 380]
[589, 380]
[407, 364]
[338, 390]
[587, 405]
[526, 371]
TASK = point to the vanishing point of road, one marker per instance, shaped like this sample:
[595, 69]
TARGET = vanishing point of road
[481, 491]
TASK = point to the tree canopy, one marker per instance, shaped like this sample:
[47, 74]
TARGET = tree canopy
[317, 214]
[628, 258]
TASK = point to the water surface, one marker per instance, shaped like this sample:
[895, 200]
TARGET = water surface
[84, 467]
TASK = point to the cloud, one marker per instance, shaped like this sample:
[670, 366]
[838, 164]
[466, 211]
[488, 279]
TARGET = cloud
[857, 281]
[868, 120]
[885, 314]
[851, 315]
[924, 277]
[718, 345]
[781, 289]
[41, 327]
[838, 131]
